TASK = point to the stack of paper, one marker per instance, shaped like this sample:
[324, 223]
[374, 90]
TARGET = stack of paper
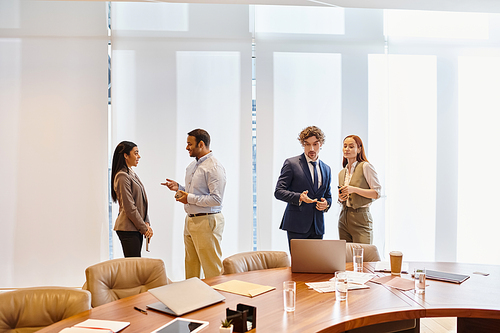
[355, 281]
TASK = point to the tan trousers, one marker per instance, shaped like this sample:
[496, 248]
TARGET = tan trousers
[356, 225]
[202, 241]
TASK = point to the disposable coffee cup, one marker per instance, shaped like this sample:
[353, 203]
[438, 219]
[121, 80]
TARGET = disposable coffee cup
[396, 262]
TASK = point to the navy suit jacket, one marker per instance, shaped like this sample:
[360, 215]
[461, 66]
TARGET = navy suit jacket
[294, 179]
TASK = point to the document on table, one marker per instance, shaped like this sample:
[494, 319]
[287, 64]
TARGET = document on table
[396, 282]
[243, 288]
[385, 266]
[355, 281]
[359, 278]
[96, 325]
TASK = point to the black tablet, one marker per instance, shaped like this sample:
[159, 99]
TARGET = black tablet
[182, 325]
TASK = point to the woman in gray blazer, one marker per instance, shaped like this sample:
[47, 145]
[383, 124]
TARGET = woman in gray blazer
[132, 223]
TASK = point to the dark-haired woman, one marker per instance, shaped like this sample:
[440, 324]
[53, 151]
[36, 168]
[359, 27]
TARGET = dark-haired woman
[358, 188]
[132, 223]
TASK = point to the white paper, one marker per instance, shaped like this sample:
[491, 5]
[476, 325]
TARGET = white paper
[84, 330]
[329, 286]
[359, 278]
[111, 325]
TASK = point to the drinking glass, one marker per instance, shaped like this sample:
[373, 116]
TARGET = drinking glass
[357, 259]
[289, 291]
[419, 276]
[341, 285]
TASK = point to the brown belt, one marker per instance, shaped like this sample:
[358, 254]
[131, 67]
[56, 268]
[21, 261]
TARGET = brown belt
[202, 214]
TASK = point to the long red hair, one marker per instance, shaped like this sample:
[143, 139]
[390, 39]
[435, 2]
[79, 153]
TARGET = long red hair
[361, 157]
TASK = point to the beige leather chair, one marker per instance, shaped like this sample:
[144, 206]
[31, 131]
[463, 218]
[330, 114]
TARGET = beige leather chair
[255, 260]
[370, 252]
[119, 278]
[28, 310]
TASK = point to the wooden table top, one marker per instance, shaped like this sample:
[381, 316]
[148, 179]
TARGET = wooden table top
[321, 312]
[443, 299]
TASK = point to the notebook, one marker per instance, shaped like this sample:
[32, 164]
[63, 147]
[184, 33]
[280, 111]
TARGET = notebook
[185, 296]
[317, 255]
[443, 276]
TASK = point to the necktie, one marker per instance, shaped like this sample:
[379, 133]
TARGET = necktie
[315, 184]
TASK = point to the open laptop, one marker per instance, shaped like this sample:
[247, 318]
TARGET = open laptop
[317, 255]
[185, 296]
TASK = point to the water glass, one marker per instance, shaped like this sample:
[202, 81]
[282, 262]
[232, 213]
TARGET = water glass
[357, 259]
[289, 291]
[341, 285]
[419, 276]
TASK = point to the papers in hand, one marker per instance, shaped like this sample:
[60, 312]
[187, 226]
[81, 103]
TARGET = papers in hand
[355, 281]
[96, 325]
[243, 288]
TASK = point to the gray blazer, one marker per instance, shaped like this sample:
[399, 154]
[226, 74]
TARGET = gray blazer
[133, 214]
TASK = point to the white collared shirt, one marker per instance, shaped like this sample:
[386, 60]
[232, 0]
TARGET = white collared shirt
[205, 184]
[311, 169]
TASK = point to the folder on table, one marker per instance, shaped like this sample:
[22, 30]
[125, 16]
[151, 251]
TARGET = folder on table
[243, 288]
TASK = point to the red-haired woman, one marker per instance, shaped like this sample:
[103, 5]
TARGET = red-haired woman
[358, 188]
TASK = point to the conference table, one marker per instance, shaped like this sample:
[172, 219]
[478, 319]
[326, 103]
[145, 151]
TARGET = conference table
[476, 302]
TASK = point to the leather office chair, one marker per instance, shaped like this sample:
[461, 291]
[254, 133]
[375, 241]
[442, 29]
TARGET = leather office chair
[119, 278]
[28, 310]
[255, 260]
[370, 252]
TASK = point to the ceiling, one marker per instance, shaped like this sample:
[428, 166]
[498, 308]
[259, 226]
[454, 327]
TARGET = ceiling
[485, 6]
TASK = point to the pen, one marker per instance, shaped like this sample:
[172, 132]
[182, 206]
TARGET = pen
[140, 310]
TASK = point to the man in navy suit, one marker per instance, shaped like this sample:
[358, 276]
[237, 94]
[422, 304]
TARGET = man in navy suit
[304, 184]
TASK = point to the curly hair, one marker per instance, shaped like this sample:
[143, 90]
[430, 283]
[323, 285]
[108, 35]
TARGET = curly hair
[309, 132]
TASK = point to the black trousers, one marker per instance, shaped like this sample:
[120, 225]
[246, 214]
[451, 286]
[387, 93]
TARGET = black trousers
[131, 242]
[311, 234]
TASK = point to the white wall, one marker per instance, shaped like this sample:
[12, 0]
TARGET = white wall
[53, 133]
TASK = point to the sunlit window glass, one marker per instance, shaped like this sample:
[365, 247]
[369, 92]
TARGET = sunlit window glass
[427, 24]
[299, 20]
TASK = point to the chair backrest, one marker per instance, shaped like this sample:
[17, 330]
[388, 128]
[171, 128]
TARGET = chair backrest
[370, 252]
[255, 260]
[119, 278]
[28, 310]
